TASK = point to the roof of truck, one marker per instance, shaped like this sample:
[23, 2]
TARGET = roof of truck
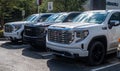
[113, 10]
[103, 10]
[70, 12]
[42, 13]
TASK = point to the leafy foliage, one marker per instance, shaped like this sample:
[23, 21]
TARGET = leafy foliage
[11, 10]
[64, 5]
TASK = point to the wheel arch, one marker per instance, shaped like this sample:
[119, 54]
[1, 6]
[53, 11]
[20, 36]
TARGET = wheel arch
[101, 38]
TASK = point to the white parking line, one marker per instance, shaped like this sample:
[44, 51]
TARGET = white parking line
[96, 69]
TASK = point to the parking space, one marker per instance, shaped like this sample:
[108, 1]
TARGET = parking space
[20, 57]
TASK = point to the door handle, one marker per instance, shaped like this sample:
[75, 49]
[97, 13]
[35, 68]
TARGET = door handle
[104, 28]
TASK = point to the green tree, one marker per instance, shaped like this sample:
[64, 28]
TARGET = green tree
[43, 6]
[64, 5]
[10, 10]
[5, 8]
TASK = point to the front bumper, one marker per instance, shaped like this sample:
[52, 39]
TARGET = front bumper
[71, 52]
[34, 40]
[13, 35]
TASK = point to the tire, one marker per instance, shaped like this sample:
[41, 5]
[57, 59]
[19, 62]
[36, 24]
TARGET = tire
[97, 53]
[36, 47]
[22, 39]
[58, 56]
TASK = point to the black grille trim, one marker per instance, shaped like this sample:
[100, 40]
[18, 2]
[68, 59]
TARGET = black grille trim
[8, 28]
[34, 31]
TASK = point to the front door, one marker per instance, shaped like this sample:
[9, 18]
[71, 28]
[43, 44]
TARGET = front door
[114, 32]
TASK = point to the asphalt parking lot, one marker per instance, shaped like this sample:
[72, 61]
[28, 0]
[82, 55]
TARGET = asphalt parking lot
[20, 57]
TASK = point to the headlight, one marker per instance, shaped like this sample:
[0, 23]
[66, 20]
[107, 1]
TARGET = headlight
[81, 34]
[17, 27]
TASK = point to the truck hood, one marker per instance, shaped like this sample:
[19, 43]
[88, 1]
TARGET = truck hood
[19, 22]
[73, 25]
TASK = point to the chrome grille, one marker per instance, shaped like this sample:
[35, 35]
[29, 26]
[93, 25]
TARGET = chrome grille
[60, 36]
[8, 28]
[33, 31]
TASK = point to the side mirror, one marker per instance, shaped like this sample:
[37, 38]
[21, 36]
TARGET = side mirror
[113, 23]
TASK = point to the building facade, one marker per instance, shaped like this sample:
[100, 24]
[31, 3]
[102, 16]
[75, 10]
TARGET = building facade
[101, 4]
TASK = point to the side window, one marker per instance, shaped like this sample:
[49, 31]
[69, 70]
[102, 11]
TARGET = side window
[43, 18]
[115, 17]
[71, 17]
[114, 20]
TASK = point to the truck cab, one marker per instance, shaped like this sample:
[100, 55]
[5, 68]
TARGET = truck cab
[92, 34]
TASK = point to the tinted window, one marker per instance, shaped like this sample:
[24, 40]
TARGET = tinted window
[115, 16]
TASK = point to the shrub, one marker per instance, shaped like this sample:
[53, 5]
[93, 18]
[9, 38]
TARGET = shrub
[1, 33]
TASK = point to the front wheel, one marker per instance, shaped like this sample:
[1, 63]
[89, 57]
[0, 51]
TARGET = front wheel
[38, 47]
[34, 46]
[97, 53]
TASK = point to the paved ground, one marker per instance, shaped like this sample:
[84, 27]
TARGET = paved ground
[20, 57]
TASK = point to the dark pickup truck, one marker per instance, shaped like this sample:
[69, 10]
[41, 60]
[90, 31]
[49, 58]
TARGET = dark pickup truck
[35, 34]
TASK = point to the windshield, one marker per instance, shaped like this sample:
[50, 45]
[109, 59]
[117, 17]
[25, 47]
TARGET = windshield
[56, 18]
[61, 18]
[91, 17]
[32, 18]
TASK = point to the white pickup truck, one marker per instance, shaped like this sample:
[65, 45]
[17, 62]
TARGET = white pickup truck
[92, 34]
[14, 30]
